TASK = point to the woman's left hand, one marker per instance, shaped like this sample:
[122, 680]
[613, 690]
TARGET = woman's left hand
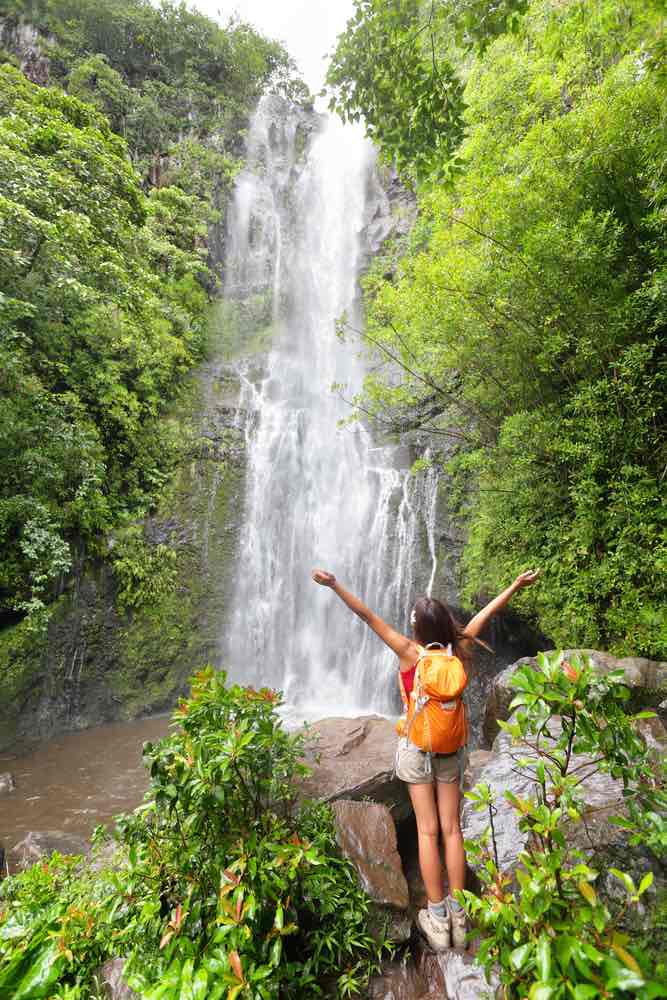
[322, 577]
[527, 578]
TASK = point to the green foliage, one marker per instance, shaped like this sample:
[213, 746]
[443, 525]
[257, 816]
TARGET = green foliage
[100, 317]
[158, 71]
[528, 319]
[54, 930]
[549, 932]
[225, 889]
[398, 66]
[145, 572]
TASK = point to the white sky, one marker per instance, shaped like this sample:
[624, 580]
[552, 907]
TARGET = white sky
[307, 28]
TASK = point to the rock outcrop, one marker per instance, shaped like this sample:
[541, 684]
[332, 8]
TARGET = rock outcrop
[7, 784]
[602, 795]
[29, 46]
[422, 975]
[646, 678]
[42, 844]
[367, 837]
[354, 759]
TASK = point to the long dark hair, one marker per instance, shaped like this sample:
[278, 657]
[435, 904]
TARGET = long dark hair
[432, 621]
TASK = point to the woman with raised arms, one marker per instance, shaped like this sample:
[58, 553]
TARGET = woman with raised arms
[432, 737]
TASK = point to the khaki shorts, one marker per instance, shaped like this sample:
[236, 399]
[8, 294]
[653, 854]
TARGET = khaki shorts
[412, 765]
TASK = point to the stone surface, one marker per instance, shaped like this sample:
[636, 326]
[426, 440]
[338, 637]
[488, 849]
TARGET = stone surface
[400, 980]
[27, 43]
[463, 979]
[110, 978]
[367, 837]
[655, 736]
[354, 759]
[601, 793]
[7, 784]
[647, 678]
[475, 764]
[41, 844]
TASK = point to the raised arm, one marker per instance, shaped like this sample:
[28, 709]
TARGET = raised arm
[404, 647]
[481, 619]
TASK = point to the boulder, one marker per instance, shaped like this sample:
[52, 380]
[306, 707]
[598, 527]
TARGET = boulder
[423, 975]
[464, 979]
[42, 844]
[602, 795]
[7, 784]
[475, 764]
[647, 678]
[367, 837]
[354, 759]
[655, 737]
[399, 980]
[110, 978]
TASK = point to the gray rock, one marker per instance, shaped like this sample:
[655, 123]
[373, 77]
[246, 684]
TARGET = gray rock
[464, 979]
[42, 844]
[7, 784]
[110, 978]
[354, 759]
[655, 736]
[602, 795]
[27, 43]
[647, 678]
[424, 975]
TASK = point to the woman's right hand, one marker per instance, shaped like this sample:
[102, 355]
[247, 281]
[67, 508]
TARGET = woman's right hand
[323, 578]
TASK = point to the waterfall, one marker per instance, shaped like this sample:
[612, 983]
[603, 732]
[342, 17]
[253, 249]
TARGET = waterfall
[320, 492]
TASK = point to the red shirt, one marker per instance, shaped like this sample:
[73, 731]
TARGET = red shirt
[408, 678]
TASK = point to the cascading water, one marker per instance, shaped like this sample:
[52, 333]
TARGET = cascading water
[319, 494]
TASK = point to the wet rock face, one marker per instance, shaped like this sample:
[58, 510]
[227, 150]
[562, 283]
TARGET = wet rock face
[43, 844]
[98, 663]
[367, 837]
[27, 43]
[647, 678]
[354, 759]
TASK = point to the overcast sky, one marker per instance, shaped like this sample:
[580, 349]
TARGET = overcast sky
[308, 28]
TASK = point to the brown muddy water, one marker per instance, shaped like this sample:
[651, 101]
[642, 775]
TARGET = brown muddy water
[77, 781]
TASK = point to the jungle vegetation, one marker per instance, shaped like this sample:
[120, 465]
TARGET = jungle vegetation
[110, 179]
[522, 323]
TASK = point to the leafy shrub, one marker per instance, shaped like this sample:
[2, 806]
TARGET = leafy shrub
[54, 929]
[529, 319]
[549, 932]
[227, 889]
[144, 572]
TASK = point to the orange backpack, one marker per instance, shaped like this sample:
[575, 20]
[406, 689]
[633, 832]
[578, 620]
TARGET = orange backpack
[435, 717]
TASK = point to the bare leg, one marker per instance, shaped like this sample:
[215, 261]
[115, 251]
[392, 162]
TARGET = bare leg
[449, 798]
[428, 831]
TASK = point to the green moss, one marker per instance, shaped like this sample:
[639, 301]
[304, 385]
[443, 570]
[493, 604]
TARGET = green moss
[21, 663]
[161, 643]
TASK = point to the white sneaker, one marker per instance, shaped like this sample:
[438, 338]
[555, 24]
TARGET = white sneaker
[435, 929]
[459, 927]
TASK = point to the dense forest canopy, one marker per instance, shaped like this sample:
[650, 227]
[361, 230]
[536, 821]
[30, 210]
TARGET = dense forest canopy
[527, 311]
[110, 177]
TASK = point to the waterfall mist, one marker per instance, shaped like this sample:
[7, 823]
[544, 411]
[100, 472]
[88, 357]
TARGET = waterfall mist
[320, 493]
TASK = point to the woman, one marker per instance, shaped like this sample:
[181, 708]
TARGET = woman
[434, 780]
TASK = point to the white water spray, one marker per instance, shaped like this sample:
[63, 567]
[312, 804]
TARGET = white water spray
[319, 494]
